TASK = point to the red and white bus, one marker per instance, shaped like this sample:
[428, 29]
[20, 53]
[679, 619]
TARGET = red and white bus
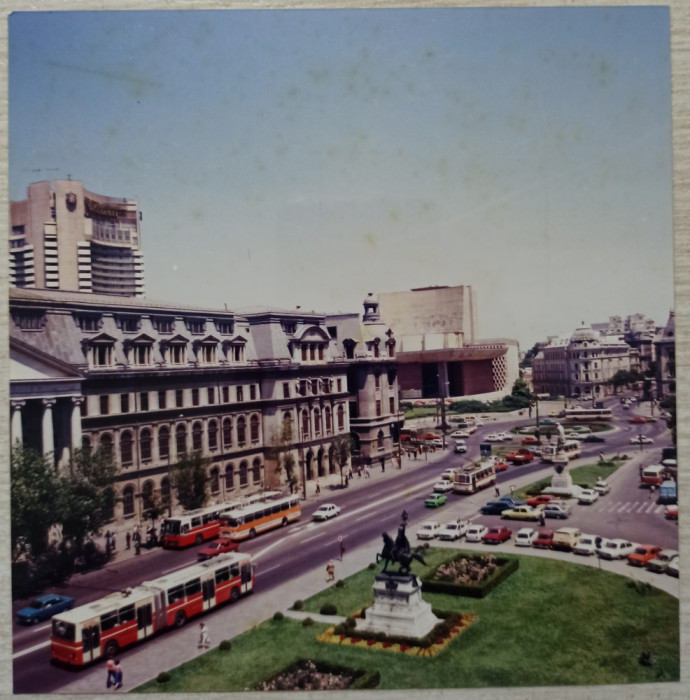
[248, 521]
[100, 629]
[653, 475]
[552, 454]
[470, 478]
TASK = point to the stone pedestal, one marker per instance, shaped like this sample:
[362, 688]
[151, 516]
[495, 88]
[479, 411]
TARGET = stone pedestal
[398, 607]
[562, 485]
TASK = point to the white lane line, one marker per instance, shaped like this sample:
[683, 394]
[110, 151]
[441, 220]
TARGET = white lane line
[176, 568]
[266, 549]
[30, 650]
[622, 508]
[270, 568]
[309, 539]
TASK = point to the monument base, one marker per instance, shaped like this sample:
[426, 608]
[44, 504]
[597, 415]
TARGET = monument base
[398, 608]
[562, 485]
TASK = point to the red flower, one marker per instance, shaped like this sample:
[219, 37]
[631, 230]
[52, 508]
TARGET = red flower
[387, 644]
[354, 640]
[404, 647]
[370, 642]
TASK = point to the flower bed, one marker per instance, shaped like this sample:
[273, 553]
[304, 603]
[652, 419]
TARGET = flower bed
[432, 644]
[305, 674]
[474, 575]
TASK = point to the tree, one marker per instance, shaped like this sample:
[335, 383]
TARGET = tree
[34, 487]
[342, 449]
[521, 390]
[280, 452]
[190, 480]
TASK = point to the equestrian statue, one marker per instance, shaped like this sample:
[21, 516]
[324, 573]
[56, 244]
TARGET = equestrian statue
[398, 552]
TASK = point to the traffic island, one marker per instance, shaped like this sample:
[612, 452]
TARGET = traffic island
[472, 575]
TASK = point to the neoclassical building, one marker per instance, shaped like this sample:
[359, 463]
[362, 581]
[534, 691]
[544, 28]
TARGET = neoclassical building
[149, 381]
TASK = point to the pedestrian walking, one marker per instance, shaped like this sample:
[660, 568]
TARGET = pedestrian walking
[652, 491]
[204, 638]
[117, 675]
[330, 571]
[342, 546]
[128, 540]
[383, 464]
[542, 519]
[318, 488]
[404, 516]
[601, 457]
[497, 491]
[110, 668]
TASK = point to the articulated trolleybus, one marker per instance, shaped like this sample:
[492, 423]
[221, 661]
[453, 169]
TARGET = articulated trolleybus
[248, 521]
[101, 628]
[470, 478]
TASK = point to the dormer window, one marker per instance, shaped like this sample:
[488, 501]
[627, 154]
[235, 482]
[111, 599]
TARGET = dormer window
[174, 351]
[234, 350]
[139, 351]
[89, 323]
[207, 350]
[100, 351]
[195, 325]
[225, 327]
[289, 327]
[128, 324]
[163, 324]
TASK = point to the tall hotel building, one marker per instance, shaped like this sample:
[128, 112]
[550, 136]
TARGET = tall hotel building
[65, 237]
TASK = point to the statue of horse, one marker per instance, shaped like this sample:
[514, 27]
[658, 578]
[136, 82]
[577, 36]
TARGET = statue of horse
[391, 554]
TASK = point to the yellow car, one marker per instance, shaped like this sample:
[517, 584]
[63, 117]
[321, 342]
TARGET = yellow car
[522, 513]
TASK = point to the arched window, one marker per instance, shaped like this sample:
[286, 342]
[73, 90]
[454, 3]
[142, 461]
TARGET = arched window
[341, 418]
[215, 480]
[254, 429]
[147, 499]
[165, 491]
[327, 420]
[230, 476]
[379, 439]
[197, 432]
[287, 427]
[126, 448]
[128, 500]
[243, 473]
[305, 424]
[241, 431]
[181, 439]
[212, 435]
[227, 433]
[145, 445]
[317, 422]
[256, 470]
[164, 442]
[86, 443]
[106, 444]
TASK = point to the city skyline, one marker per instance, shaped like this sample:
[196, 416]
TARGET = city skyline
[524, 152]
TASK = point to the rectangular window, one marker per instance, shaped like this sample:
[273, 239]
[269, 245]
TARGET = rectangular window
[104, 408]
[211, 395]
[320, 352]
[144, 401]
[129, 325]
[195, 397]
[88, 323]
[224, 327]
[340, 384]
[252, 392]
[195, 326]
[312, 356]
[378, 407]
[286, 390]
[226, 394]
[377, 381]
[240, 394]
[391, 404]
[314, 386]
[124, 403]
[161, 399]
[178, 398]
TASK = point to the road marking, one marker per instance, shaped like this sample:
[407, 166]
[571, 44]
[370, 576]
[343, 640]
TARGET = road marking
[30, 650]
[176, 568]
[270, 568]
[309, 539]
[266, 549]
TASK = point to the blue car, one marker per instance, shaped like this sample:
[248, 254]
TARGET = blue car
[44, 607]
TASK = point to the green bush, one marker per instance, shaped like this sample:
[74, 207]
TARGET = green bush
[278, 616]
[339, 583]
[163, 677]
[225, 645]
[371, 566]
[298, 605]
[307, 622]
[350, 623]
[328, 609]
[505, 567]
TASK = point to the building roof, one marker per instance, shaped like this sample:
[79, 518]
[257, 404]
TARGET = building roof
[452, 354]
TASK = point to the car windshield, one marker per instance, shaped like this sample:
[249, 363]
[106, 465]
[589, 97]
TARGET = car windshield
[36, 604]
[641, 550]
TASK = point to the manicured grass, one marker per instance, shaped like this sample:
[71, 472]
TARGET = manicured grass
[587, 474]
[552, 622]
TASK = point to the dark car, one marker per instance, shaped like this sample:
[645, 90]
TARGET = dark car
[495, 535]
[495, 507]
[513, 502]
[593, 438]
[44, 607]
[220, 547]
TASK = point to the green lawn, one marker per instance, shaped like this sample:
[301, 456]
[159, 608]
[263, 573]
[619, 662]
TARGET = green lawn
[551, 623]
[586, 475]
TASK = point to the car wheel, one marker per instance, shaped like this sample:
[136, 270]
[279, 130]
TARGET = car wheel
[284, 522]
[199, 539]
[234, 595]
[110, 650]
[180, 618]
[252, 534]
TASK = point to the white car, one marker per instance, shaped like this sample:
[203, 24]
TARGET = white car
[442, 486]
[505, 436]
[436, 442]
[615, 549]
[587, 496]
[460, 434]
[574, 436]
[454, 530]
[641, 440]
[492, 437]
[525, 536]
[460, 447]
[428, 530]
[448, 474]
[587, 545]
[602, 487]
[475, 533]
[325, 512]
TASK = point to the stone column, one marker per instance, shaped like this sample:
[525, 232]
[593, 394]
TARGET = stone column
[47, 442]
[75, 423]
[16, 425]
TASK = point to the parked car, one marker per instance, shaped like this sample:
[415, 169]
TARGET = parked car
[443, 486]
[593, 438]
[219, 547]
[671, 512]
[659, 564]
[602, 487]
[325, 512]
[496, 535]
[543, 539]
[556, 510]
[530, 440]
[448, 474]
[615, 549]
[638, 419]
[586, 545]
[44, 607]
[428, 530]
[522, 513]
[495, 507]
[525, 537]
[475, 533]
[435, 500]
[673, 566]
[460, 434]
[521, 456]
[547, 421]
[514, 502]
[587, 496]
[500, 465]
[504, 437]
[541, 500]
[641, 440]
[566, 538]
[460, 447]
[642, 554]
[492, 437]
[453, 530]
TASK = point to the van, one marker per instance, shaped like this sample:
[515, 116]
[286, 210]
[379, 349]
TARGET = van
[652, 475]
[566, 538]
[668, 493]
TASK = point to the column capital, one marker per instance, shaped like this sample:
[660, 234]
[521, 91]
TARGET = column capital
[17, 404]
[78, 400]
[48, 403]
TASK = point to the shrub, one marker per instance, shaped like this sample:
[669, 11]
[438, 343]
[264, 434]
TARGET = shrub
[328, 609]
[371, 566]
[278, 615]
[470, 585]
[339, 583]
[163, 677]
[225, 645]
[363, 614]
[298, 605]
[350, 623]
[307, 622]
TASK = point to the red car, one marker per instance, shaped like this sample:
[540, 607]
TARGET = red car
[540, 500]
[544, 539]
[500, 465]
[428, 436]
[521, 456]
[216, 548]
[529, 440]
[495, 535]
[643, 554]
[638, 419]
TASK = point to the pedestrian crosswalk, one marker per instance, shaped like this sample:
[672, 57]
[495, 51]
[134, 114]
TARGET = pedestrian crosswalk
[639, 507]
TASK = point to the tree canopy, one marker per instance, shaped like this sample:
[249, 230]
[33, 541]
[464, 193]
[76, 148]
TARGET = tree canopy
[190, 480]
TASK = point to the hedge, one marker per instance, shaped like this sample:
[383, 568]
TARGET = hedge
[505, 567]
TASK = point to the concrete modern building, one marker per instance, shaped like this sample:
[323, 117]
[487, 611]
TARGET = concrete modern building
[438, 352]
[65, 237]
[665, 354]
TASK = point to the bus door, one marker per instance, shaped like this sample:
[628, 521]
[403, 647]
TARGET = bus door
[91, 640]
[159, 610]
[208, 592]
[246, 576]
[144, 620]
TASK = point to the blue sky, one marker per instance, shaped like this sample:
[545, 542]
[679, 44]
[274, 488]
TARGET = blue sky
[309, 157]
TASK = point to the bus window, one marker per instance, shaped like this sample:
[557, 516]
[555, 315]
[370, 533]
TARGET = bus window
[109, 620]
[175, 593]
[63, 630]
[172, 527]
[222, 575]
[196, 522]
[127, 613]
[234, 570]
[192, 587]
